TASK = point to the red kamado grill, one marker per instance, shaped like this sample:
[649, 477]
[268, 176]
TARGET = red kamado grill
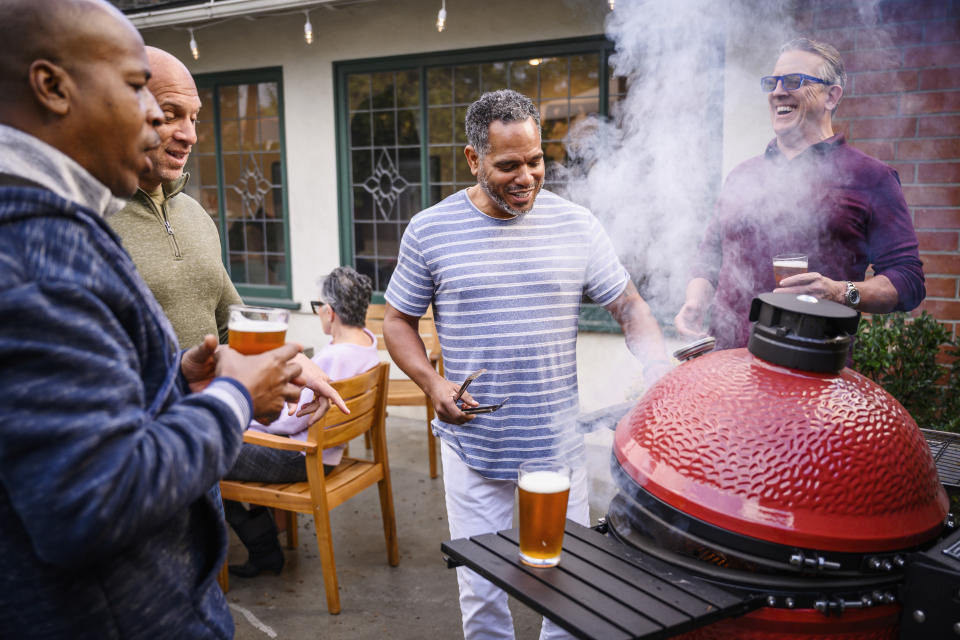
[774, 469]
[765, 493]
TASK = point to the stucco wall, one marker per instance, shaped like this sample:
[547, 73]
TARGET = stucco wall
[376, 29]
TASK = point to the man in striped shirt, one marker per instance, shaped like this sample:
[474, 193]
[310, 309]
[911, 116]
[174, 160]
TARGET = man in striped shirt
[505, 266]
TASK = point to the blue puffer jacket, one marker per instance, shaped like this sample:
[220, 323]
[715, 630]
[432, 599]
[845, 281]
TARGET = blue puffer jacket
[106, 529]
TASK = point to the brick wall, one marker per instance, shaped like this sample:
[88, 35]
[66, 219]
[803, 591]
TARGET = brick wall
[902, 105]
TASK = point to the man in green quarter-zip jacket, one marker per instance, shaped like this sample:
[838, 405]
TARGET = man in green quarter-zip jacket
[171, 238]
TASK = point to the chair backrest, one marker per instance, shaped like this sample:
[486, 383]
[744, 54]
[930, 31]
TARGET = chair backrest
[427, 329]
[365, 396]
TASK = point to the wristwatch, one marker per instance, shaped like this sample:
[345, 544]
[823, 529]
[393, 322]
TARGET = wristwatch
[852, 297]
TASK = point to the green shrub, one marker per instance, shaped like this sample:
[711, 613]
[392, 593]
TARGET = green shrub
[900, 354]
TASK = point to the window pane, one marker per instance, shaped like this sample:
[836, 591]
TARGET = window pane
[584, 75]
[268, 99]
[363, 239]
[441, 164]
[362, 204]
[276, 270]
[362, 166]
[408, 204]
[523, 78]
[554, 78]
[493, 76]
[408, 126]
[440, 122]
[439, 86]
[382, 88]
[408, 161]
[358, 90]
[388, 239]
[360, 130]
[408, 88]
[230, 135]
[269, 134]
[228, 101]
[466, 87]
[384, 132]
[459, 131]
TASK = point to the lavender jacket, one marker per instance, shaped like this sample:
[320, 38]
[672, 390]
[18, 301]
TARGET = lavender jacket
[836, 204]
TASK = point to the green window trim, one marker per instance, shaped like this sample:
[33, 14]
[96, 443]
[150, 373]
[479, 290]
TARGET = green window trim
[276, 295]
[592, 317]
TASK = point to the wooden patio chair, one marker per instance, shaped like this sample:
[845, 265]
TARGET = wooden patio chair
[403, 391]
[365, 396]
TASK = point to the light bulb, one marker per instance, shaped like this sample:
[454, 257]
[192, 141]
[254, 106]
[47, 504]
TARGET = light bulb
[193, 46]
[612, 4]
[308, 30]
[441, 19]
[535, 61]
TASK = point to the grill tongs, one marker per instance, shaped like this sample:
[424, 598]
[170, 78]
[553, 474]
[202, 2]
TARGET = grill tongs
[490, 408]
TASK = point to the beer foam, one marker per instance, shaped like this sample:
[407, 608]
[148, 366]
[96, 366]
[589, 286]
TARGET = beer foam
[794, 264]
[256, 326]
[544, 482]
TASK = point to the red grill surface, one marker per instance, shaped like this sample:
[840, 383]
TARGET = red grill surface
[821, 461]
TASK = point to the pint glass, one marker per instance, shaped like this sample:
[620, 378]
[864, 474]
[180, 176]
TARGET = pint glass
[543, 488]
[254, 330]
[788, 264]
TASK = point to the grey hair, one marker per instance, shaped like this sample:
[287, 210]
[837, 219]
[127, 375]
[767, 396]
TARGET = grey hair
[348, 294]
[831, 70]
[504, 105]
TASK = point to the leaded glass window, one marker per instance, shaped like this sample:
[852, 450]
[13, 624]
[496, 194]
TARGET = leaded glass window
[402, 134]
[238, 175]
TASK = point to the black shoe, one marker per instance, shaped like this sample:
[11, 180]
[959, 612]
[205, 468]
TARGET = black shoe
[252, 567]
[258, 532]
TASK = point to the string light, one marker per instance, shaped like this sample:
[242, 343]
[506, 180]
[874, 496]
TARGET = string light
[307, 29]
[442, 16]
[193, 46]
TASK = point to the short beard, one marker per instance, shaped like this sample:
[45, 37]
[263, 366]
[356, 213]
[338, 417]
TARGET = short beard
[482, 181]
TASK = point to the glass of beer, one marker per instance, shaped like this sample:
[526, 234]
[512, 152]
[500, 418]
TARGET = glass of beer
[254, 330]
[543, 487]
[788, 264]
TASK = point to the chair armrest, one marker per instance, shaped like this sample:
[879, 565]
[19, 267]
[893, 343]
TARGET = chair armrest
[277, 442]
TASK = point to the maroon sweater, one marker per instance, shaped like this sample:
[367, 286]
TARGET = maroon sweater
[836, 204]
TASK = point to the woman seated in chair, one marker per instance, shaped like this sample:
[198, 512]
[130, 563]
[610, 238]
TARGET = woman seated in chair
[344, 297]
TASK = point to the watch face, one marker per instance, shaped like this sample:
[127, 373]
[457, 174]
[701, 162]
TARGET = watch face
[853, 295]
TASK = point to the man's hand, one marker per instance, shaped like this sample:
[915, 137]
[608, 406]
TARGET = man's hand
[689, 322]
[442, 394]
[268, 377]
[814, 284]
[316, 379]
[198, 364]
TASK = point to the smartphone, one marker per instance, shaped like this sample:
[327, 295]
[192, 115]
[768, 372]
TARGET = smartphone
[489, 408]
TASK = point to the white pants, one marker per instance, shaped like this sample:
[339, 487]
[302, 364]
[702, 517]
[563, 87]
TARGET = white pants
[477, 505]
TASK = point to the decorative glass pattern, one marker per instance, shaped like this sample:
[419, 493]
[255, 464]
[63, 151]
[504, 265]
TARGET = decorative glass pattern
[237, 174]
[404, 132]
[385, 172]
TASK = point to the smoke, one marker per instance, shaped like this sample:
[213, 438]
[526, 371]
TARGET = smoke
[652, 170]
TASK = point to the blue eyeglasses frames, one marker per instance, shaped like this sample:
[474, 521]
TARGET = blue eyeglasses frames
[791, 81]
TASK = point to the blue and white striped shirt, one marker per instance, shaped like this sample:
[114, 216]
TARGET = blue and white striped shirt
[506, 296]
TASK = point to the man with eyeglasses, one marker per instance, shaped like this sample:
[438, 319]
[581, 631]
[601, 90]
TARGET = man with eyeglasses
[808, 193]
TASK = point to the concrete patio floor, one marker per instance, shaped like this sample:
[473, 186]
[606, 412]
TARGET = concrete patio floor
[415, 600]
